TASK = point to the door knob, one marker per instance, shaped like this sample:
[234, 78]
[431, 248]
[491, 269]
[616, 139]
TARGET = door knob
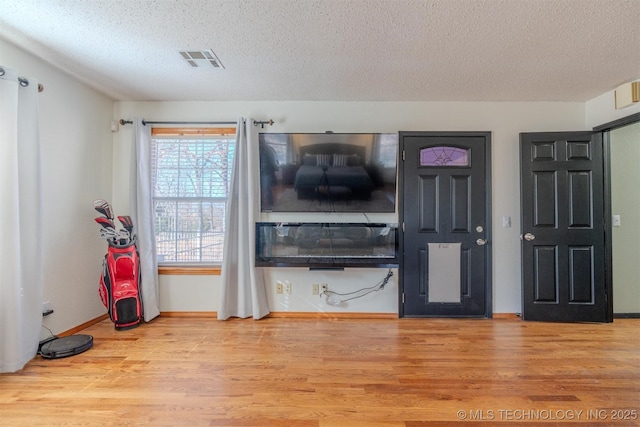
[529, 237]
[481, 242]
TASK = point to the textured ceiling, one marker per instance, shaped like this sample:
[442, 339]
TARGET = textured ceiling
[358, 50]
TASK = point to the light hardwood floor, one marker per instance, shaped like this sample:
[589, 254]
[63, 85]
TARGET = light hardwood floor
[336, 372]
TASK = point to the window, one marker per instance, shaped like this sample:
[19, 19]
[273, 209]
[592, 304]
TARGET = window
[191, 175]
[444, 156]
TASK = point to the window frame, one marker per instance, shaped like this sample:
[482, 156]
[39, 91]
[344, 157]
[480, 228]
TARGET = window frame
[158, 132]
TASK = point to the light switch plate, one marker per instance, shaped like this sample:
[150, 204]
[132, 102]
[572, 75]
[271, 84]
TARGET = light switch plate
[616, 220]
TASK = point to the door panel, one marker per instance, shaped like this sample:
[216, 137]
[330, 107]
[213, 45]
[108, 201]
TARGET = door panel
[430, 203]
[563, 246]
[546, 274]
[461, 204]
[444, 271]
[544, 199]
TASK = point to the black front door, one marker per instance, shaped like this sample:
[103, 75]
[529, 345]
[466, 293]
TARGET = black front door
[563, 227]
[444, 215]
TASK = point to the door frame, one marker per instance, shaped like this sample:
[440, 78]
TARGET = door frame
[604, 129]
[489, 219]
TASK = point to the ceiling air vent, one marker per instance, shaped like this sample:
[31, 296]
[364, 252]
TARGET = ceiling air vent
[201, 58]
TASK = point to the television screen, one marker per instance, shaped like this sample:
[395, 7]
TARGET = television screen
[328, 172]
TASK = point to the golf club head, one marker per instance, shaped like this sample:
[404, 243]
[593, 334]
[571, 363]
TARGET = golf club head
[108, 234]
[105, 222]
[126, 222]
[103, 207]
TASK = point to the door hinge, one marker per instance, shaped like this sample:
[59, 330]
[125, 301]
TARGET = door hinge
[403, 227]
[403, 297]
[403, 155]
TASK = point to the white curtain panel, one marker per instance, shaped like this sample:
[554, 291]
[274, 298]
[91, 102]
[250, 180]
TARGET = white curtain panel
[141, 212]
[242, 293]
[20, 215]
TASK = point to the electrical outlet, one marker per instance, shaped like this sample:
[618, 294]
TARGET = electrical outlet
[323, 288]
[315, 289]
[287, 287]
[279, 286]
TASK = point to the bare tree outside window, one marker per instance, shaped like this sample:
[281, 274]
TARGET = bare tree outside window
[191, 180]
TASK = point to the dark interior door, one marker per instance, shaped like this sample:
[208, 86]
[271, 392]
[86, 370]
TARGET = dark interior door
[445, 249]
[563, 227]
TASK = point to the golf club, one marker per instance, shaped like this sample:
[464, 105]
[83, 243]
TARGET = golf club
[103, 207]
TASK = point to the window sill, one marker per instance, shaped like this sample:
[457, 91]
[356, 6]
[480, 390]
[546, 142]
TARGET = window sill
[194, 271]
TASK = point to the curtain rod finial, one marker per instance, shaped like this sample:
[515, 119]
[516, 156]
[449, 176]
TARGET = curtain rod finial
[262, 123]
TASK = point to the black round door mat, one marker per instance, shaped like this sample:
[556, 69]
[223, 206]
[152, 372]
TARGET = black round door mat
[66, 346]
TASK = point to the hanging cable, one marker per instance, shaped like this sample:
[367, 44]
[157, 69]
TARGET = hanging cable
[333, 297]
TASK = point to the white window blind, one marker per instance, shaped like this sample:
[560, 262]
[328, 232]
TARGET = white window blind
[190, 179]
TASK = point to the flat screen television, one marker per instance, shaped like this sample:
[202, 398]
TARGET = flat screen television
[328, 172]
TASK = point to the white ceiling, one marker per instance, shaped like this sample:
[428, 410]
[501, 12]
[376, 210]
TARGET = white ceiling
[339, 50]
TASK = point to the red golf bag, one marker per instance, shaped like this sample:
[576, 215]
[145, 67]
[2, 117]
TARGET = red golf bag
[120, 285]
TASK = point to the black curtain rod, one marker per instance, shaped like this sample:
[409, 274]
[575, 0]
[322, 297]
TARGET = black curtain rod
[144, 122]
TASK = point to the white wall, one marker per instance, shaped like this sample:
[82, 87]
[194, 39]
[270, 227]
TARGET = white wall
[624, 145]
[76, 169]
[602, 109]
[82, 160]
[504, 120]
[625, 202]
